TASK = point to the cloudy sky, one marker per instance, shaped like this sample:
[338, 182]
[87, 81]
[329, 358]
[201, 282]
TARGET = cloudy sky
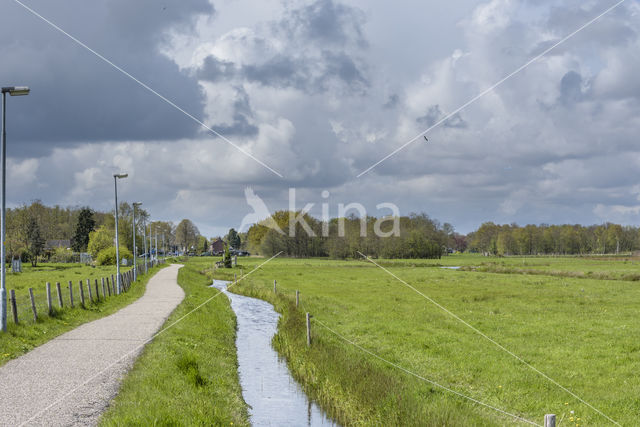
[318, 91]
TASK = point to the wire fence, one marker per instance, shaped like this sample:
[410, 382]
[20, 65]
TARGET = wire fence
[30, 305]
[295, 296]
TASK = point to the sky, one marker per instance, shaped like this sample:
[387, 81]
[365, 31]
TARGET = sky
[200, 100]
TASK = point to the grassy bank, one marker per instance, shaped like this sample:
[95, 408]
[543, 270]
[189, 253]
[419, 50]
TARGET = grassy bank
[26, 335]
[582, 332]
[188, 374]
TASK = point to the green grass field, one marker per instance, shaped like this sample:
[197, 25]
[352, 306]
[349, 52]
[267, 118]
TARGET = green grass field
[580, 331]
[188, 374]
[28, 334]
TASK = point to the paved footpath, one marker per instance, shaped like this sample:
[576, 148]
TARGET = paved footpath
[71, 379]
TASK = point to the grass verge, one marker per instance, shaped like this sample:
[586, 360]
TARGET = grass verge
[188, 375]
[23, 337]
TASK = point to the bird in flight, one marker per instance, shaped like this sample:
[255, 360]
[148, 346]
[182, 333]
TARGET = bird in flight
[425, 138]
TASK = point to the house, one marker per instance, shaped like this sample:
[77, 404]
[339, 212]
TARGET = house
[217, 247]
[54, 244]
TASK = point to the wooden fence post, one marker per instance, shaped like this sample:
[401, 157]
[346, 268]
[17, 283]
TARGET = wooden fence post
[308, 330]
[274, 287]
[113, 284]
[297, 298]
[104, 290]
[60, 303]
[14, 306]
[97, 291]
[71, 293]
[89, 288]
[550, 420]
[33, 305]
[49, 304]
[81, 287]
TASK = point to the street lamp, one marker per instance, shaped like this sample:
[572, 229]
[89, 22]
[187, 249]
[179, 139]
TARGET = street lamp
[144, 238]
[115, 181]
[13, 91]
[135, 255]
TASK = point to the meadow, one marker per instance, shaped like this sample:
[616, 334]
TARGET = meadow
[580, 331]
[28, 334]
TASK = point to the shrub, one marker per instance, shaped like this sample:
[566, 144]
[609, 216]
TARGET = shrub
[99, 240]
[108, 256]
[62, 255]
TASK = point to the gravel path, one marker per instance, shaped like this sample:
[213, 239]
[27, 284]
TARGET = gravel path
[71, 379]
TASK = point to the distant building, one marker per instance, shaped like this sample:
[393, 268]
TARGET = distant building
[217, 247]
[55, 244]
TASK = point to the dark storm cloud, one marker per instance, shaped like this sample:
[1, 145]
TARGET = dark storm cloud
[242, 116]
[322, 42]
[434, 114]
[76, 97]
[326, 22]
[392, 102]
[571, 88]
[214, 69]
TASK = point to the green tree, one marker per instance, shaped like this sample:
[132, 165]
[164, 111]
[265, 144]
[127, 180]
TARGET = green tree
[84, 226]
[233, 239]
[187, 234]
[36, 241]
[100, 239]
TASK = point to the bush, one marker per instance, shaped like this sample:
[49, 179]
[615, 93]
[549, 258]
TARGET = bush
[99, 240]
[62, 255]
[108, 256]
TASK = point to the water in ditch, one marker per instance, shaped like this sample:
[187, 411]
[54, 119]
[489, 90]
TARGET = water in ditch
[274, 397]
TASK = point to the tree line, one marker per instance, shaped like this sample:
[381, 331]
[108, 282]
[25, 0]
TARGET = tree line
[417, 236]
[544, 239]
[29, 227]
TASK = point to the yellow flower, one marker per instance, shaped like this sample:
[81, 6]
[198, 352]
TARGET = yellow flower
[571, 419]
[566, 403]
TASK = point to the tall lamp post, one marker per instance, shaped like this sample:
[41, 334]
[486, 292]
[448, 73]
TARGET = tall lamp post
[13, 91]
[135, 254]
[115, 181]
[144, 238]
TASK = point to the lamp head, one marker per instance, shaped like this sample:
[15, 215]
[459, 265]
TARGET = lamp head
[16, 90]
[120, 175]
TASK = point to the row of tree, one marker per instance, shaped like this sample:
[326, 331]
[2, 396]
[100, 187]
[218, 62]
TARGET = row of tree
[512, 239]
[30, 227]
[413, 236]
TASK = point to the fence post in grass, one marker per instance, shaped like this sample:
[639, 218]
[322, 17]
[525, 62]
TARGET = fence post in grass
[97, 291]
[274, 287]
[81, 293]
[104, 290]
[49, 304]
[235, 279]
[60, 303]
[297, 298]
[550, 420]
[108, 287]
[14, 306]
[89, 288]
[308, 330]
[113, 284]
[33, 305]
[71, 293]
